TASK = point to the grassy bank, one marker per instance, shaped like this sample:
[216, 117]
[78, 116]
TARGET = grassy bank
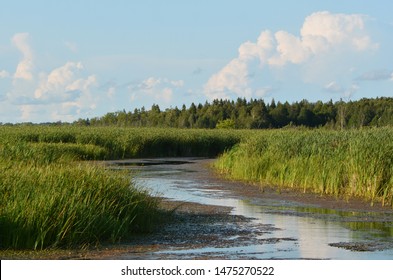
[117, 143]
[51, 197]
[69, 205]
[353, 163]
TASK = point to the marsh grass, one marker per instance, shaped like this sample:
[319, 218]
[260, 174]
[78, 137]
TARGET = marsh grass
[46, 153]
[117, 143]
[63, 205]
[51, 197]
[353, 163]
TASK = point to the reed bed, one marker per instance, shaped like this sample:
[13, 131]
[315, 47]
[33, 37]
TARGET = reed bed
[51, 197]
[68, 205]
[118, 143]
[352, 163]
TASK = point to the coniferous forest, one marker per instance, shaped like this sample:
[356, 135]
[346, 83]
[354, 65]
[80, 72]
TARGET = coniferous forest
[256, 114]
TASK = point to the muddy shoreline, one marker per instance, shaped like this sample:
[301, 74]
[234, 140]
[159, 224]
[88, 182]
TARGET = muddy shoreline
[193, 226]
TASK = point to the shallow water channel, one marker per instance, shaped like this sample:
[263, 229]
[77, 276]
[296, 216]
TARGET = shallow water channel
[272, 228]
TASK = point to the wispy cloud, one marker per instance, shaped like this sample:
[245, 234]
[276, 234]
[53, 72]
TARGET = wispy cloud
[72, 46]
[333, 87]
[4, 74]
[25, 66]
[377, 75]
[197, 71]
[156, 89]
[346, 92]
[264, 92]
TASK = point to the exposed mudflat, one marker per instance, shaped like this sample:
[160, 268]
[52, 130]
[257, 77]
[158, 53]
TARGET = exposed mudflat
[215, 218]
[219, 218]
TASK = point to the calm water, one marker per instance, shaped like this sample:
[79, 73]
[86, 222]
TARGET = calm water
[304, 231]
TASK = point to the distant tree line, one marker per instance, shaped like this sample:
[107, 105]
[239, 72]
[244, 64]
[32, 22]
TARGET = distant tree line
[256, 114]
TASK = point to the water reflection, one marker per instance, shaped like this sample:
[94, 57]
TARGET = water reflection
[356, 221]
[304, 232]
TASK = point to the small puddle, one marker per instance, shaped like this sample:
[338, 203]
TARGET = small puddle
[278, 229]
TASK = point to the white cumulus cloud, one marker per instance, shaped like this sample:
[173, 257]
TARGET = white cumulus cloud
[335, 29]
[322, 32]
[289, 49]
[63, 93]
[63, 84]
[233, 78]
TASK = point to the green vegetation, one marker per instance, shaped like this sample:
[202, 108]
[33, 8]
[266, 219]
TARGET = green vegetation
[50, 197]
[256, 114]
[352, 163]
[68, 205]
[226, 124]
[50, 143]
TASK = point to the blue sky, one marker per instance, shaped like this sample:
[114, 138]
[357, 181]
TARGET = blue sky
[64, 60]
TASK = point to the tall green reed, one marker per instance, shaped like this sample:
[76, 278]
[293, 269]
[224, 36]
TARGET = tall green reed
[63, 205]
[50, 198]
[117, 143]
[353, 163]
